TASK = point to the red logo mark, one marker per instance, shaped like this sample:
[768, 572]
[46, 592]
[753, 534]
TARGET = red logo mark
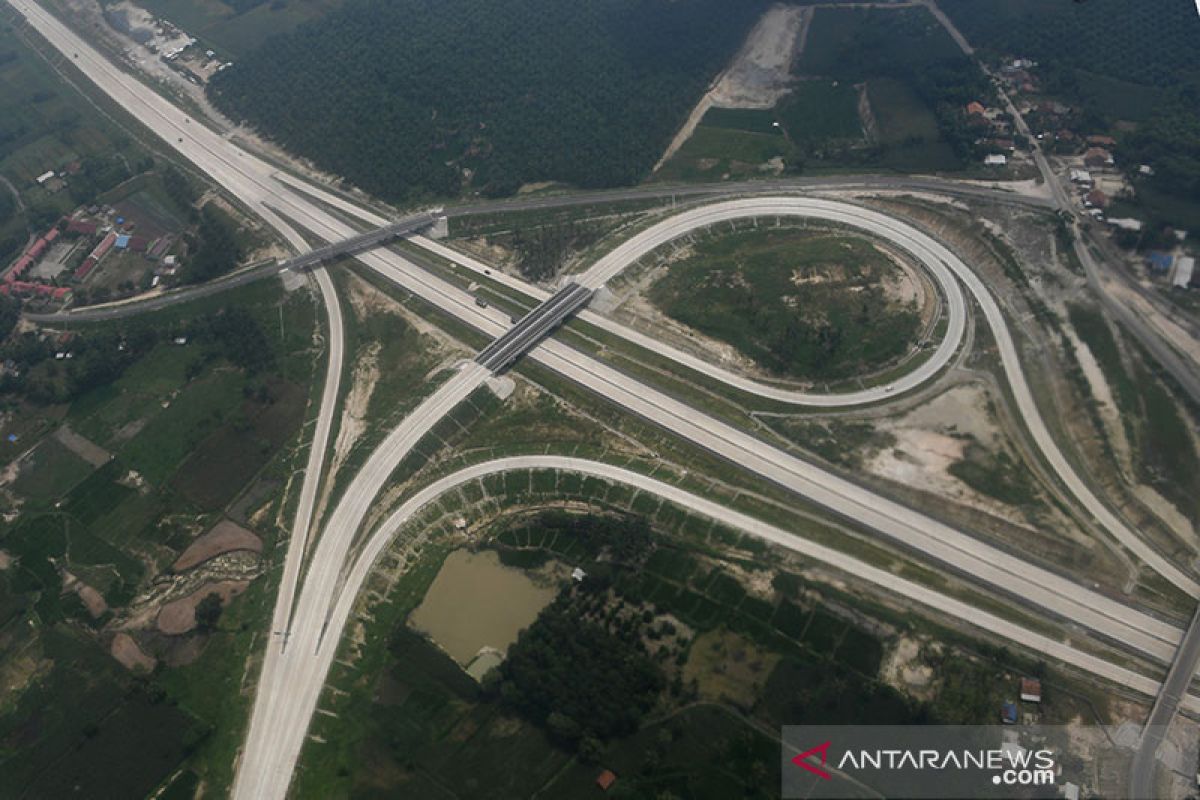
[802, 760]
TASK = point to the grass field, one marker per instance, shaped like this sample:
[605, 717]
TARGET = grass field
[718, 152]
[51, 470]
[800, 304]
[908, 132]
[817, 110]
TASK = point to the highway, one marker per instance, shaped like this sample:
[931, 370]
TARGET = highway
[304, 695]
[1174, 691]
[292, 678]
[932, 255]
[1059, 595]
[252, 181]
[941, 262]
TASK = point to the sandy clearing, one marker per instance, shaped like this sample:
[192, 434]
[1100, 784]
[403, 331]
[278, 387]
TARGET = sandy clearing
[125, 650]
[179, 616]
[1102, 392]
[6, 559]
[1111, 416]
[760, 73]
[904, 670]
[935, 435]
[353, 422]
[225, 536]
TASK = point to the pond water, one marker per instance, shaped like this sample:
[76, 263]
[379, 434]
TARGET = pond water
[475, 602]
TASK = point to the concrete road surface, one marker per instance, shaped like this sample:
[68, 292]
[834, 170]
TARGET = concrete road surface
[252, 181]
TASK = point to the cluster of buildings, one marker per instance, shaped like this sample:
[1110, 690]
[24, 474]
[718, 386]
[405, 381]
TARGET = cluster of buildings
[1177, 267]
[1030, 691]
[16, 282]
[50, 268]
[994, 129]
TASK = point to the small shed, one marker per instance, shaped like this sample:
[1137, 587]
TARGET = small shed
[1185, 269]
[1031, 690]
[995, 160]
[1008, 713]
[606, 779]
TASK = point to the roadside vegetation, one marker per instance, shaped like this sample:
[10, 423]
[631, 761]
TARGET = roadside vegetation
[420, 99]
[802, 305]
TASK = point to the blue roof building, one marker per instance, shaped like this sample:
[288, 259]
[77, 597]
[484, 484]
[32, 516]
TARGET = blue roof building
[122, 242]
[1159, 262]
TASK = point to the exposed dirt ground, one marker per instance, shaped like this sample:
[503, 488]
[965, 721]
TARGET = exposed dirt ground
[936, 435]
[125, 650]
[86, 449]
[760, 73]
[179, 616]
[92, 600]
[225, 537]
[903, 669]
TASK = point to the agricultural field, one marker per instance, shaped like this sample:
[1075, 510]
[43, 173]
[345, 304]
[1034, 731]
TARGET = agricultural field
[873, 89]
[812, 306]
[147, 445]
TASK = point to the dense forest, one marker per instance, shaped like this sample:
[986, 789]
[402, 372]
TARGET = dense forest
[215, 246]
[577, 678]
[412, 98]
[1151, 42]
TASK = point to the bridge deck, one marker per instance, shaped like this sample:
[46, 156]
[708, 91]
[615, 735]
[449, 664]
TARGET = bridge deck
[533, 327]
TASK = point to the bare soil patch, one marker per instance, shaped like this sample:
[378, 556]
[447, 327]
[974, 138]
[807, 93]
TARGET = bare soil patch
[83, 447]
[179, 616]
[225, 537]
[130, 655]
[92, 600]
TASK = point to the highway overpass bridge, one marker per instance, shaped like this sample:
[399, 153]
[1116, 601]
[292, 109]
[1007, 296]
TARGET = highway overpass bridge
[327, 252]
[534, 326]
